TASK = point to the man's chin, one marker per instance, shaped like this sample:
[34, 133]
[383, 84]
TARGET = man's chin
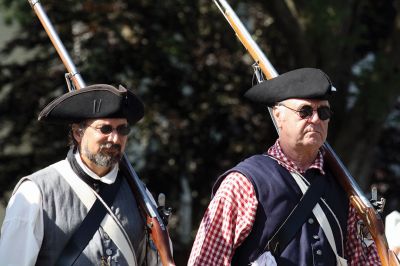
[314, 136]
[315, 141]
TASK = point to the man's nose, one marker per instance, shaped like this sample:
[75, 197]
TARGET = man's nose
[114, 136]
[314, 117]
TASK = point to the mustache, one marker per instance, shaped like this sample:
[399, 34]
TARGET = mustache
[110, 145]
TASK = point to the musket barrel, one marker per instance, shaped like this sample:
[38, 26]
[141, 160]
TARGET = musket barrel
[246, 39]
[150, 208]
[248, 42]
[58, 45]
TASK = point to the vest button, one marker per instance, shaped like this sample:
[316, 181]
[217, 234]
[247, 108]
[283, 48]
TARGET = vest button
[316, 237]
[109, 252]
[96, 187]
[311, 221]
[318, 252]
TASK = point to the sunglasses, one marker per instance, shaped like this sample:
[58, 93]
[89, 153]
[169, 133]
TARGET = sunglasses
[122, 130]
[306, 111]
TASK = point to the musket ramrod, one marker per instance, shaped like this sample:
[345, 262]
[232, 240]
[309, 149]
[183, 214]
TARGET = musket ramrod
[364, 208]
[158, 230]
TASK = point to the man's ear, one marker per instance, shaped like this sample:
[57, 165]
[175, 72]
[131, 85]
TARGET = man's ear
[277, 113]
[77, 132]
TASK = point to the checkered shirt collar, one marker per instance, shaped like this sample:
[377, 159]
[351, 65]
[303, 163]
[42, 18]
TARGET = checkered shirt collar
[276, 152]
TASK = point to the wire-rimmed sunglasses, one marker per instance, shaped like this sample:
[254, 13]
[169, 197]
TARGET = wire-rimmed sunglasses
[122, 130]
[306, 111]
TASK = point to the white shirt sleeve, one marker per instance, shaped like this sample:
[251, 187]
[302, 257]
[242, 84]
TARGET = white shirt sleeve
[392, 230]
[22, 229]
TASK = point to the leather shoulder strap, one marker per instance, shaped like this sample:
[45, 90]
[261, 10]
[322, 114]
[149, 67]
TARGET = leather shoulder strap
[81, 237]
[296, 218]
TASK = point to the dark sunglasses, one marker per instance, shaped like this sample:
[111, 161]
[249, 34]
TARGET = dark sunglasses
[122, 130]
[306, 111]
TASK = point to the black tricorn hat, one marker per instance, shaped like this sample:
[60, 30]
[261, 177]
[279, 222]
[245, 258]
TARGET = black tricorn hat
[302, 83]
[94, 101]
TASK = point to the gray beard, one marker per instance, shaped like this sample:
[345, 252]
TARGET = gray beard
[100, 158]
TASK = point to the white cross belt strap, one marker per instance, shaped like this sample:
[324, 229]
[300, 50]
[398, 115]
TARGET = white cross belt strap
[322, 220]
[110, 223]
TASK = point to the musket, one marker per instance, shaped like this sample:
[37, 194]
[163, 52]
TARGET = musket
[363, 206]
[158, 230]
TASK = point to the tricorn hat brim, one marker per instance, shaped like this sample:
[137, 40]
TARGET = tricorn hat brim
[303, 83]
[93, 102]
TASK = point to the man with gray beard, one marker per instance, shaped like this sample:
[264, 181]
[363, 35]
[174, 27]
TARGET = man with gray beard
[81, 211]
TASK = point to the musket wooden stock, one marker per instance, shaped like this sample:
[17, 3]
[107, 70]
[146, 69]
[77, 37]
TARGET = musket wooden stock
[161, 243]
[158, 230]
[364, 208]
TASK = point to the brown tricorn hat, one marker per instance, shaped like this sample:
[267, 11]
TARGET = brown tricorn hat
[94, 101]
[303, 83]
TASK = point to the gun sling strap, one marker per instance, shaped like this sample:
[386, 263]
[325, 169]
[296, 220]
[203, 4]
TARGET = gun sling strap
[297, 217]
[81, 237]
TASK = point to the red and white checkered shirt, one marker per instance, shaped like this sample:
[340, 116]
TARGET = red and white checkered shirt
[230, 216]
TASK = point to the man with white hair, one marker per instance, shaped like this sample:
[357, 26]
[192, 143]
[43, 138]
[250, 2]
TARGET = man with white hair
[284, 206]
